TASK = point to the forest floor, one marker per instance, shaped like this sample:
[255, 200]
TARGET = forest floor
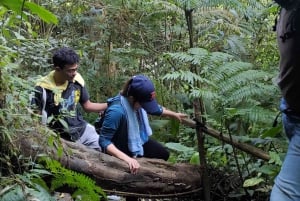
[226, 187]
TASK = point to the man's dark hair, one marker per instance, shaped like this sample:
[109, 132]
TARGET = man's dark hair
[65, 56]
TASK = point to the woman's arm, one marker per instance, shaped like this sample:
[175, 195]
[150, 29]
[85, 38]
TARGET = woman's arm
[176, 115]
[132, 163]
[111, 127]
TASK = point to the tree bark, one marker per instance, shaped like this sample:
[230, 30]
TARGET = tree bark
[155, 177]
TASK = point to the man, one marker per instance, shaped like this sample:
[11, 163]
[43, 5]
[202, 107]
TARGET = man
[287, 183]
[58, 95]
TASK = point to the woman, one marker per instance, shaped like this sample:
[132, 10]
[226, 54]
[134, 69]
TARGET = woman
[125, 130]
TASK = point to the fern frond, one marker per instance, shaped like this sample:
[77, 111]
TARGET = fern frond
[181, 56]
[204, 93]
[186, 76]
[257, 114]
[243, 93]
[243, 78]
[233, 67]
[199, 55]
[165, 6]
[222, 73]
[83, 185]
[236, 45]
[220, 57]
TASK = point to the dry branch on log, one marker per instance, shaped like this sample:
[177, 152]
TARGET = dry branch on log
[240, 145]
[155, 177]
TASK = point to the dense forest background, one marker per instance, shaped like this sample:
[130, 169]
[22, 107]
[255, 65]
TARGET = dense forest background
[220, 54]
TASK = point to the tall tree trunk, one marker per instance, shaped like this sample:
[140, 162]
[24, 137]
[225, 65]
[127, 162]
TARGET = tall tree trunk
[198, 112]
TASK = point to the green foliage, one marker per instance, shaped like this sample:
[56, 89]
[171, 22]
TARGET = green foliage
[28, 186]
[275, 158]
[234, 92]
[19, 5]
[182, 153]
[84, 187]
[43, 13]
[17, 193]
[178, 147]
[224, 82]
[235, 61]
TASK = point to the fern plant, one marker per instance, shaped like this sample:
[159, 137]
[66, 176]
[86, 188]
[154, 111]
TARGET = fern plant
[84, 187]
[238, 97]
[225, 83]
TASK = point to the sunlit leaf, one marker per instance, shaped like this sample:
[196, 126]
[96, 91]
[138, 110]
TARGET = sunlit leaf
[252, 182]
[43, 13]
[195, 159]
[16, 6]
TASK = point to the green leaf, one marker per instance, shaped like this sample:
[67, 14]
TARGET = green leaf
[159, 123]
[19, 36]
[252, 182]
[13, 194]
[43, 13]
[16, 6]
[268, 169]
[178, 147]
[49, 119]
[64, 123]
[60, 151]
[275, 158]
[272, 132]
[195, 160]
[40, 193]
[40, 171]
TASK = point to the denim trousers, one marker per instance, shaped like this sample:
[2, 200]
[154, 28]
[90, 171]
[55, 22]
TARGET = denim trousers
[287, 182]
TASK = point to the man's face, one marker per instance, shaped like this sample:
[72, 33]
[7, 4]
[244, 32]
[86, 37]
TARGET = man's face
[69, 72]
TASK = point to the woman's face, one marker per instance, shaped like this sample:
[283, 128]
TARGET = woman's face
[136, 105]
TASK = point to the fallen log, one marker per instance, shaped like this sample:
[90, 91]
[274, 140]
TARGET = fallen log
[155, 177]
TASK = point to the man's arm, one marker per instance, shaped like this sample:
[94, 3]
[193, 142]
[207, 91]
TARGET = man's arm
[89, 106]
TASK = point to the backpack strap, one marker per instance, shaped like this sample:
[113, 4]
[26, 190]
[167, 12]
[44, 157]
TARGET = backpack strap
[99, 121]
[44, 113]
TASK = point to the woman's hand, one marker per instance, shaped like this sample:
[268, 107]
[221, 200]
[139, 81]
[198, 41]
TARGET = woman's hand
[132, 162]
[133, 165]
[176, 115]
[180, 116]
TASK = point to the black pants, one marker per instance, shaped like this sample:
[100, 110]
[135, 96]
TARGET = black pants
[153, 149]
